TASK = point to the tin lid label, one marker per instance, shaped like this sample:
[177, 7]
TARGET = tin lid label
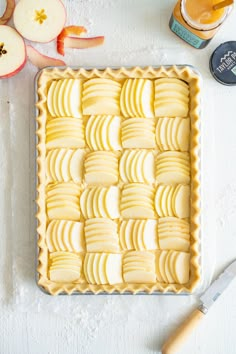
[223, 63]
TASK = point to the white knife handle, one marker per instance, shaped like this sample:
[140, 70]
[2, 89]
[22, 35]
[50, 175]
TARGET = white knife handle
[177, 339]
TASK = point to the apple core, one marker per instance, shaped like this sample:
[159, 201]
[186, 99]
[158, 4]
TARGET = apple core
[40, 16]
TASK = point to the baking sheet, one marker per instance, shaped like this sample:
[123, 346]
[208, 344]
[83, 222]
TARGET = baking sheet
[165, 67]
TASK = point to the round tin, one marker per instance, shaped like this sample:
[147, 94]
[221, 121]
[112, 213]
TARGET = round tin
[223, 63]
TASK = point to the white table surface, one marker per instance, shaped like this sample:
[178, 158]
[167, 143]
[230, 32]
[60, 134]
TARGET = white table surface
[30, 322]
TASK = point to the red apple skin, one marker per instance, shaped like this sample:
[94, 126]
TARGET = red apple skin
[14, 72]
[19, 68]
[40, 60]
[66, 32]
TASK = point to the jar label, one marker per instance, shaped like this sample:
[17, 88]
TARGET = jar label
[185, 34]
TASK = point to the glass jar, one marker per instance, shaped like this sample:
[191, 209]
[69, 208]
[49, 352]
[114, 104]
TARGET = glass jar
[196, 22]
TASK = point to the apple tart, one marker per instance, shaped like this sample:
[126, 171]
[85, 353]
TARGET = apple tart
[118, 180]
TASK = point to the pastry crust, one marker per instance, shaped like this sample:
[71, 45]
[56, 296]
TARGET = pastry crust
[185, 73]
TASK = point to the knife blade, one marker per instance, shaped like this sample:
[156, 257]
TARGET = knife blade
[214, 291]
[217, 287]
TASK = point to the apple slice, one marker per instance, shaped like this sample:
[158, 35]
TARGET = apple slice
[70, 30]
[150, 234]
[158, 199]
[139, 267]
[83, 43]
[136, 234]
[8, 12]
[114, 269]
[88, 268]
[76, 165]
[12, 52]
[102, 269]
[182, 267]
[49, 236]
[40, 60]
[39, 21]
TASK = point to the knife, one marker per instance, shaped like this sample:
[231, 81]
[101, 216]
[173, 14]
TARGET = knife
[214, 291]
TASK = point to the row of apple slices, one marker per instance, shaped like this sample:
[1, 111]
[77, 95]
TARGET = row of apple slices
[65, 235]
[103, 132]
[137, 201]
[172, 267]
[173, 133]
[64, 98]
[138, 234]
[137, 166]
[64, 165]
[137, 97]
[68, 97]
[171, 98]
[103, 268]
[173, 167]
[139, 267]
[65, 267]
[138, 133]
[101, 167]
[63, 201]
[173, 233]
[173, 201]
[101, 96]
[100, 202]
[101, 235]
[65, 133]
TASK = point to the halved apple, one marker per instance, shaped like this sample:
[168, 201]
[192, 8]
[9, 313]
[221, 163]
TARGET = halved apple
[12, 52]
[39, 21]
